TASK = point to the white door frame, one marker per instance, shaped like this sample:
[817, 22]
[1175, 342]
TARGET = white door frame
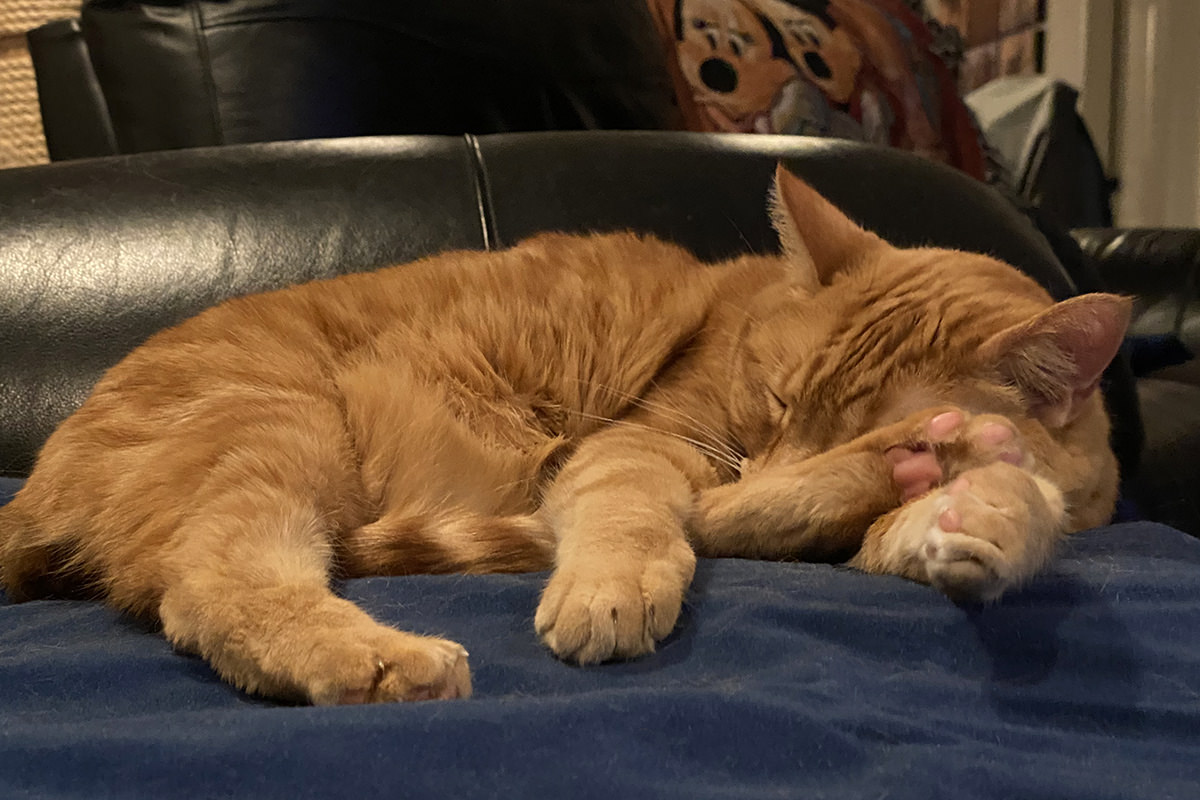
[1137, 64]
[1079, 51]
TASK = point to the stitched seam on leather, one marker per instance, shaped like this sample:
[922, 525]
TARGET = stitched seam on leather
[483, 192]
[206, 75]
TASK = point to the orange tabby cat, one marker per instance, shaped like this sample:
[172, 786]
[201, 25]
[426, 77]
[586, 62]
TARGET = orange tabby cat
[607, 406]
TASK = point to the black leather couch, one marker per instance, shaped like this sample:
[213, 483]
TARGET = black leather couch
[1160, 269]
[130, 76]
[97, 254]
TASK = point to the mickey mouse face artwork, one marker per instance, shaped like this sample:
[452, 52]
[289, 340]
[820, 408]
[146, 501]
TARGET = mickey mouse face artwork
[733, 59]
[822, 50]
[866, 70]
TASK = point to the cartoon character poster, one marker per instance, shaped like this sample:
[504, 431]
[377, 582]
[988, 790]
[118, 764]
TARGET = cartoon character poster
[850, 69]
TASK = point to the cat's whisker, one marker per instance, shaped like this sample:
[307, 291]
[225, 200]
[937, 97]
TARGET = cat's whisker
[510, 484]
[715, 440]
[741, 310]
[741, 235]
[718, 439]
[703, 447]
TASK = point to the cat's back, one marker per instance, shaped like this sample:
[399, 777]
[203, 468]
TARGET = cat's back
[299, 331]
[596, 308]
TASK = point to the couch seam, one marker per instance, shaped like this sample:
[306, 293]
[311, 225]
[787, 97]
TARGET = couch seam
[206, 75]
[483, 192]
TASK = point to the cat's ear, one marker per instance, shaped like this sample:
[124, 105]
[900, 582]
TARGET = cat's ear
[1056, 359]
[818, 240]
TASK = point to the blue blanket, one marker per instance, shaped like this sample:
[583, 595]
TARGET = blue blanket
[782, 681]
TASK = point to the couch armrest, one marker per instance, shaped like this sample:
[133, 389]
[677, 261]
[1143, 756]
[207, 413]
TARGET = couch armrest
[1160, 268]
[1143, 260]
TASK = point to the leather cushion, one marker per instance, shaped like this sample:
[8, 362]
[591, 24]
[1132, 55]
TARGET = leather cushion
[97, 255]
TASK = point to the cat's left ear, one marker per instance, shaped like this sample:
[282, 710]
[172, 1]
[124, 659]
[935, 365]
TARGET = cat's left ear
[1056, 359]
[818, 240]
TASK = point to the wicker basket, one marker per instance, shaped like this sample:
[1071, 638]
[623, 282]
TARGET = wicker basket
[21, 139]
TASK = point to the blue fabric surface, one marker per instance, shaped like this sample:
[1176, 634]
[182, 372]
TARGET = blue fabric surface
[8, 489]
[783, 680]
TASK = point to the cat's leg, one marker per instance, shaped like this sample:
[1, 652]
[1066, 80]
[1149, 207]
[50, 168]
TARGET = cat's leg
[623, 561]
[274, 628]
[990, 527]
[819, 508]
[246, 577]
[291, 638]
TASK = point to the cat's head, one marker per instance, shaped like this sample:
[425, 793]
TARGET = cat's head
[863, 333]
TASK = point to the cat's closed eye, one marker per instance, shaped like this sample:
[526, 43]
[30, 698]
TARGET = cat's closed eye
[777, 405]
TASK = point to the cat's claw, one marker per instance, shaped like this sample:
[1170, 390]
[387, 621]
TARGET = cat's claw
[407, 668]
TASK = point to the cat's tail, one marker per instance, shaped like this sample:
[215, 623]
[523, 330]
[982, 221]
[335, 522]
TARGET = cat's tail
[448, 541]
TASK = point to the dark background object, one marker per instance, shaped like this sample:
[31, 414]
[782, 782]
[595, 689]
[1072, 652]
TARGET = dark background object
[209, 72]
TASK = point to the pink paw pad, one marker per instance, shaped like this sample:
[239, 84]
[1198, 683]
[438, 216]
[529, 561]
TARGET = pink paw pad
[950, 521]
[915, 471]
[1003, 438]
[994, 433]
[944, 424]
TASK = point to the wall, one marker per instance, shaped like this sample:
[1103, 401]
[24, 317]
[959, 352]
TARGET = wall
[1156, 132]
[1137, 63]
[21, 139]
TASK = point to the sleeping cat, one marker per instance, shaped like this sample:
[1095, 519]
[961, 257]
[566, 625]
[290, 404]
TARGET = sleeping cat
[606, 406]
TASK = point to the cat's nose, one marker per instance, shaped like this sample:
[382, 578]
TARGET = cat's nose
[719, 75]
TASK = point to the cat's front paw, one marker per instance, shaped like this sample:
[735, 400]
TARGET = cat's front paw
[593, 612]
[948, 442]
[988, 530]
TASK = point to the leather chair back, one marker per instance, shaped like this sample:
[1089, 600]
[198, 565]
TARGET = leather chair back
[164, 74]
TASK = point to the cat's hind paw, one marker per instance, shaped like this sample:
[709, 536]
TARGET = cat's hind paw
[986, 532]
[425, 668]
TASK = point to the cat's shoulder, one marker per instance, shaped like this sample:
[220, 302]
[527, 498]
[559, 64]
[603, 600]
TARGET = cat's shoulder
[606, 255]
[607, 243]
